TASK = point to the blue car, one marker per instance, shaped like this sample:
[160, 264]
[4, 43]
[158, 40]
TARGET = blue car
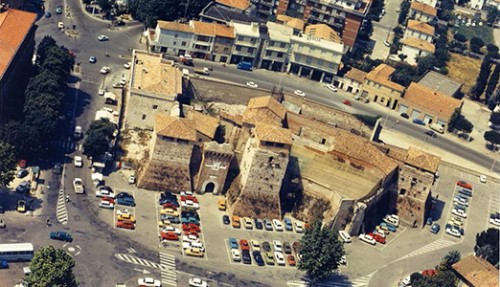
[233, 243]
[164, 200]
[127, 201]
[435, 228]
[4, 264]
[61, 235]
[419, 122]
[390, 227]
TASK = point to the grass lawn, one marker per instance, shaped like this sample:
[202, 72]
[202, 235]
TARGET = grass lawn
[482, 32]
[464, 70]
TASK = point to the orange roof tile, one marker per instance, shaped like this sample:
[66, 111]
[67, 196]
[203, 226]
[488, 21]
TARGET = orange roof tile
[15, 25]
[204, 124]
[174, 127]
[213, 29]
[239, 4]
[477, 271]
[264, 109]
[419, 44]
[420, 27]
[381, 75]
[424, 8]
[431, 101]
[356, 75]
[422, 159]
[294, 23]
[323, 31]
[175, 26]
[274, 134]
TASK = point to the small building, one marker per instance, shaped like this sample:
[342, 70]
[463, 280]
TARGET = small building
[215, 162]
[352, 81]
[441, 83]
[247, 43]
[431, 106]
[155, 84]
[323, 31]
[264, 110]
[171, 38]
[275, 47]
[212, 41]
[415, 48]
[495, 3]
[379, 88]
[422, 12]
[476, 272]
[419, 30]
[226, 11]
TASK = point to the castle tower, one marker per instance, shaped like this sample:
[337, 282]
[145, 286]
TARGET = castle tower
[214, 167]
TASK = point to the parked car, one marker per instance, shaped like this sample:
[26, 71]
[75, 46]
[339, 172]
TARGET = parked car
[127, 65]
[453, 232]
[258, 223]
[61, 235]
[291, 260]
[367, 238]
[225, 219]
[104, 70]
[104, 191]
[299, 93]
[280, 258]
[57, 168]
[102, 38]
[247, 222]
[278, 226]
[233, 243]
[464, 184]
[331, 87]
[252, 85]
[404, 115]
[435, 228]
[148, 282]
[419, 122]
[127, 201]
[22, 172]
[21, 206]
[347, 103]
[23, 187]
[244, 244]
[169, 235]
[266, 246]
[92, 59]
[389, 226]
[278, 246]
[245, 255]
[221, 203]
[377, 237]
[197, 282]
[462, 200]
[195, 252]
[287, 249]
[268, 224]
[431, 133]
[235, 221]
[169, 211]
[258, 258]
[126, 217]
[236, 255]
[298, 227]
[483, 178]
[269, 258]
[288, 224]
[106, 204]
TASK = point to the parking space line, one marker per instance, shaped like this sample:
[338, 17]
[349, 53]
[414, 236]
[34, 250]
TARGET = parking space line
[392, 240]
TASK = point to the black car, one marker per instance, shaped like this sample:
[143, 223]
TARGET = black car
[431, 133]
[258, 258]
[405, 115]
[225, 219]
[22, 172]
[245, 254]
[190, 214]
[61, 235]
[164, 200]
[287, 248]
[57, 168]
[266, 246]
[258, 223]
[167, 194]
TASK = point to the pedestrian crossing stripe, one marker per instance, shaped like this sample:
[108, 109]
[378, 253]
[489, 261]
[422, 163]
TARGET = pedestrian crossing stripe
[168, 273]
[168, 277]
[438, 244]
[61, 210]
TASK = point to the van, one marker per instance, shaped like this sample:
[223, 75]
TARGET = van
[78, 132]
[246, 66]
[345, 236]
[438, 128]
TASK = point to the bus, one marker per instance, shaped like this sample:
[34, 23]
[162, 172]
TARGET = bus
[16, 252]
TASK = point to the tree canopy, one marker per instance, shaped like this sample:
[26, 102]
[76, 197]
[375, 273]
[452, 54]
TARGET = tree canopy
[7, 164]
[493, 137]
[321, 251]
[487, 245]
[51, 267]
[98, 138]
[150, 11]
[495, 118]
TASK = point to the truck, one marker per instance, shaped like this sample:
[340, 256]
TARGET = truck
[246, 66]
[186, 60]
[438, 128]
[204, 71]
[78, 185]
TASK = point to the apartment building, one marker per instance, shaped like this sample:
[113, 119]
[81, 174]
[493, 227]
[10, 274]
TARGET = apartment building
[419, 30]
[275, 47]
[415, 48]
[265, 8]
[247, 43]
[422, 12]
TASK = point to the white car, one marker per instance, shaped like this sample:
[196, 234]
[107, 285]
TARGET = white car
[252, 85]
[255, 245]
[131, 179]
[60, 25]
[127, 65]
[278, 226]
[78, 133]
[106, 204]
[343, 260]
[367, 238]
[459, 212]
[105, 70]
[123, 82]
[102, 38]
[148, 282]
[78, 161]
[483, 178]
[278, 246]
[299, 228]
[495, 221]
[331, 88]
[185, 193]
[107, 192]
[78, 185]
[406, 281]
[299, 93]
[280, 259]
[197, 282]
[170, 228]
[387, 44]
[101, 92]
[190, 204]
[190, 238]
[236, 255]
[392, 219]
[453, 232]
[461, 200]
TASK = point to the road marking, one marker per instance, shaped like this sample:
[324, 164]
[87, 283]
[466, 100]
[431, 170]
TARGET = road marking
[61, 210]
[438, 244]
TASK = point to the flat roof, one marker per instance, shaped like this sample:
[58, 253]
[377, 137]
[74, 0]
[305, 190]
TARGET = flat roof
[440, 83]
[249, 29]
[279, 32]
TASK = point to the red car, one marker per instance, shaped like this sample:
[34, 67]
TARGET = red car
[377, 237]
[108, 199]
[191, 232]
[291, 260]
[190, 227]
[170, 235]
[170, 205]
[189, 197]
[125, 225]
[464, 184]
[347, 102]
[244, 244]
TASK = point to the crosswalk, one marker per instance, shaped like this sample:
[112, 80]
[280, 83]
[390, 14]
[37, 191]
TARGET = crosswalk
[436, 245]
[61, 211]
[166, 266]
[66, 145]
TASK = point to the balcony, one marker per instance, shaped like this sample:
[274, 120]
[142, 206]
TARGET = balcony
[269, 4]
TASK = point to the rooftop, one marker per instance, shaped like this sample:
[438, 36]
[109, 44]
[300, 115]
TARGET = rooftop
[356, 75]
[431, 101]
[222, 13]
[212, 29]
[279, 32]
[440, 83]
[264, 109]
[381, 75]
[204, 124]
[419, 44]
[422, 159]
[323, 31]
[420, 27]
[14, 27]
[213, 146]
[175, 127]
[477, 271]
[273, 134]
[155, 77]
[294, 23]
[238, 4]
[424, 8]
[175, 26]
[249, 29]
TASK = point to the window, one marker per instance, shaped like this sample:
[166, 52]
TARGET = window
[226, 50]
[183, 43]
[241, 38]
[176, 35]
[320, 62]
[155, 107]
[271, 43]
[175, 43]
[238, 48]
[252, 40]
[143, 116]
[269, 53]
[282, 45]
[280, 55]
[251, 50]
[308, 60]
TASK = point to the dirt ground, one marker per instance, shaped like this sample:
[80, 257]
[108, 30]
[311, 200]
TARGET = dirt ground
[464, 70]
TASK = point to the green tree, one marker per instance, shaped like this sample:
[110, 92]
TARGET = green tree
[449, 259]
[95, 145]
[493, 137]
[492, 82]
[492, 15]
[404, 75]
[102, 126]
[416, 276]
[495, 118]
[460, 37]
[403, 13]
[441, 279]
[7, 164]
[424, 64]
[490, 238]
[321, 251]
[477, 42]
[105, 5]
[51, 267]
[481, 80]
[150, 11]
[45, 43]
[492, 48]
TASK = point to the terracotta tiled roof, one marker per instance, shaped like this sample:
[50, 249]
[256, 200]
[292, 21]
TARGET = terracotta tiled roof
[236, 119]
[323, 31]
[204, 124]
[420, 27]
[14, 27]
[422, 159]
[213, 29]
[239, 4]
[294, 23]
[477, 271]
[419, 44]
[424, 8]
[274, 134]
[175, 26]
[174, 127]
[264, 109]
[381, 75]
[431, 101]
[356, 75]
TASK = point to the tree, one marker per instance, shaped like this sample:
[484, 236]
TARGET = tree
[492, 48]
[45, 43]
[51, 267]
[150, 11]
[441, 279]
[424, 64]
[449, 259]
[321, 251]
[105, 5]
[95, 145]
[492, 15]
[403, 13]
[492, 137]
[490, 238]
[102, 126]
[481, 80]
[404, 75]
[492, 82]
[7, 164]
[477, 41]
[495, 118]
[460, 37]
[416, 276]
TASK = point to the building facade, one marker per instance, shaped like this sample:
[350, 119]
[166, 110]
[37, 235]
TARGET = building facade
[247, 43]
[422, 12]
[215, 162]
[351, 82]
[419, 30]
[414, 48]
[275, 47]
[379, 88]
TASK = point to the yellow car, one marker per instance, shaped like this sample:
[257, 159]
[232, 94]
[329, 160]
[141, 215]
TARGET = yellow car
[164, 223]
[236, 221]
[126, 217]
[222, 204]
[196, 252]
[21, 206]
[169, 211]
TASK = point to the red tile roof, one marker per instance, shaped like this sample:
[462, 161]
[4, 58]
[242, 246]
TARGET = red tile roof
[14, 26]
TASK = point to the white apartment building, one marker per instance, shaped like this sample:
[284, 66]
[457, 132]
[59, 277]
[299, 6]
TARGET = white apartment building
[171, 38]
[247, 43]
[275, 47]
[419, 30]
